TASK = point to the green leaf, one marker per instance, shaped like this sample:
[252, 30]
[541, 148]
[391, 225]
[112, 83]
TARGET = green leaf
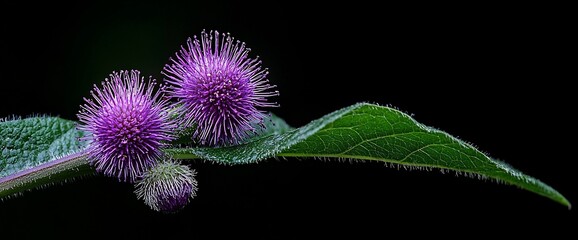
[371, 132]
[362, 131]
[33, 150]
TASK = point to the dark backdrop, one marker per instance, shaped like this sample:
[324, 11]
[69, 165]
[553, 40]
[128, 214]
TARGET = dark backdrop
[492, 75]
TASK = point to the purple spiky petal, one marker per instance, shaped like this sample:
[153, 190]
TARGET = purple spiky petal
[128, 124]
[219, 89]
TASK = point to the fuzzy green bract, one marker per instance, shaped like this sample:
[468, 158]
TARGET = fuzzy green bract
[374, 133]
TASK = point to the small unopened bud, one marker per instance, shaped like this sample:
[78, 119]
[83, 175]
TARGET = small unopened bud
[167, 187]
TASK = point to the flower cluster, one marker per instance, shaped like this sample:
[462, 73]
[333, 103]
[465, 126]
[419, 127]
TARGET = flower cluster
[128, 124]
[218, 92]
[219, 88]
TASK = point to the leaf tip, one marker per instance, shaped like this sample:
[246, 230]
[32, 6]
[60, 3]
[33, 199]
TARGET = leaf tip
[565, 202]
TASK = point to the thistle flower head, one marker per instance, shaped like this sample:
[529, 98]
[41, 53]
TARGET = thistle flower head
[128, 123]
[167, 187]
[219, 88]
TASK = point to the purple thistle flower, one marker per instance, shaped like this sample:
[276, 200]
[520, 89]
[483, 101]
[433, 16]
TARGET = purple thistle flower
[167, 187]
[219, 89]
[128, 123]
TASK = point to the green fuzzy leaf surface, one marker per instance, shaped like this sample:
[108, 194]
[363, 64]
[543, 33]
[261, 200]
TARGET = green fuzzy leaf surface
[362, 131]
[32, 150]
[375, 133]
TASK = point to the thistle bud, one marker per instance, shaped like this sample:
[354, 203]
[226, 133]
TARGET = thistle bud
[167, 187]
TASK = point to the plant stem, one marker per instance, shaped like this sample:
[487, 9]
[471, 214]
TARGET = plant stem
[42, 171]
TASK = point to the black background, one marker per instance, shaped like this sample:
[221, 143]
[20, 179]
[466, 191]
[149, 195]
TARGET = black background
[493, 75]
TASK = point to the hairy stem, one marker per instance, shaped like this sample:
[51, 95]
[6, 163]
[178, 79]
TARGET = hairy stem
[12, 183]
